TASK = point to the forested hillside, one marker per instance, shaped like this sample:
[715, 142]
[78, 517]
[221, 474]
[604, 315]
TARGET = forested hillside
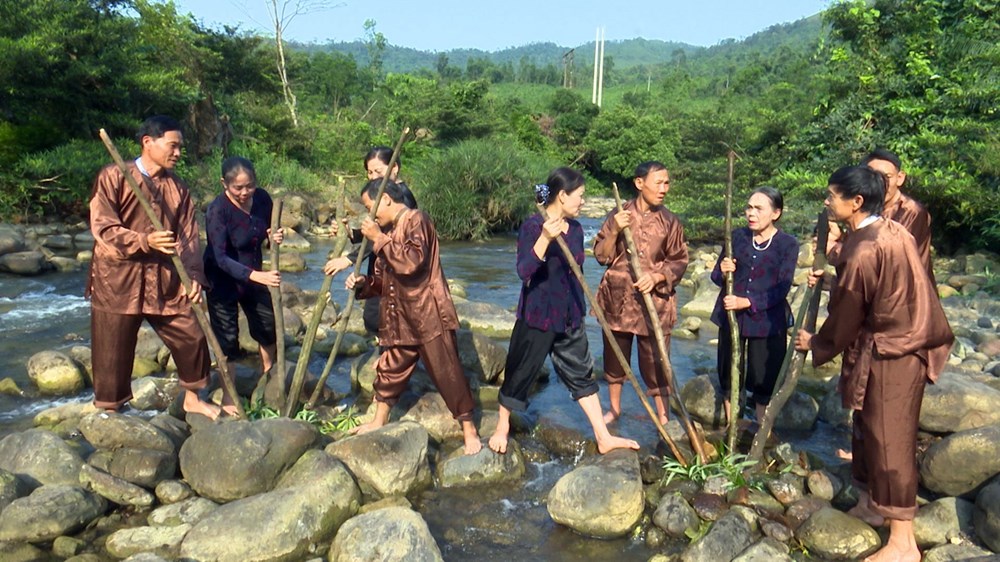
[795, 102]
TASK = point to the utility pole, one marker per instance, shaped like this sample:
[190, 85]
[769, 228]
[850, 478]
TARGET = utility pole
[568, 68]
[597, 53]
[600, 74]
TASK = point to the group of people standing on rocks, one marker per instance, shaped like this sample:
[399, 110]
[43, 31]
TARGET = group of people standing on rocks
[884, 315]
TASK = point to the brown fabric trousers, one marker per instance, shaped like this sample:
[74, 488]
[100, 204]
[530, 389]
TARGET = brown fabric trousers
[884, 443]
[113, 339]
[440, 356]
[652, 375]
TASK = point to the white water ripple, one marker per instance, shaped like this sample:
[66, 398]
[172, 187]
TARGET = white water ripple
[37, 308]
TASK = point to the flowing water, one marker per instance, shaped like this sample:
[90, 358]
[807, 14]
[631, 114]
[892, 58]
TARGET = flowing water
[492, 523]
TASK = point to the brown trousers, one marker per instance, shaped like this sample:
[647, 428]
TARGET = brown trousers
[885, 436]
[652, 375]
[440, 356]
[113, 339]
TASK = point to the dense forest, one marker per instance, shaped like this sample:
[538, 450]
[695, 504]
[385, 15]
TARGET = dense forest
[795, 102]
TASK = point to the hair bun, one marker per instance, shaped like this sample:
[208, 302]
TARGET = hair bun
[542, 193]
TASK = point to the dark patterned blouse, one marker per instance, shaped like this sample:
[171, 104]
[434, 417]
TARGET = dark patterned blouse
[234, 242]
[551, 296]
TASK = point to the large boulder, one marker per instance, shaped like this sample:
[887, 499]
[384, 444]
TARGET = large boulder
[10, 241]
[391, 460]
[728, 537]
[603, 498]
[703, 399]
[154, 393]
[228, 461]
[986, 516]
[835, 535]
[962, 462]
[11, 488]
[49, 512]
[111, 430]
[161, 541]
[189, 512]
[484, 318]
[956, 403]
[483, 356]
[39, 456]
[28, 262]
[143, 467]
[799, 414]
[765, 550]
[675, 516]
[114, 489]
[954, 552]
[392, 533]
[302, 514]
[55, 373]
[485, 467]
[705, 294]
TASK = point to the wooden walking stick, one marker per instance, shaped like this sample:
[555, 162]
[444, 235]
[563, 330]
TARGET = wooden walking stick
[345, 316]
[277, 371]
[657, 329]
[735, 388]
[199, 308]
[614, 344]
[791, 367]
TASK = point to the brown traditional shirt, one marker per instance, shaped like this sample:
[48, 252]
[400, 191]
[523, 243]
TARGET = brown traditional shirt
[126, 275]
[884, 306]
[416, 304]
[659, 239]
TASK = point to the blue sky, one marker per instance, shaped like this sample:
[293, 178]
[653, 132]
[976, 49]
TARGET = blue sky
[440, 25]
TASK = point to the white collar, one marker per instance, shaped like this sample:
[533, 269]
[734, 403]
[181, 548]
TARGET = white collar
[868, 220]
[142, 169]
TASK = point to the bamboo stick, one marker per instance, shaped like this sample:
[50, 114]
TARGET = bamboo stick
[614, 344]
[791, 368]
[199, 308]
[277, 371]
[735, 388]
[657, 329]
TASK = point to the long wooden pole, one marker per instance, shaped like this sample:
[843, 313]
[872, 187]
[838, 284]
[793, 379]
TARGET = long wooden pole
[614, 344]
[345, 316]
[657, 329]
[277, 371]
[791, 368]
[735, 388]
[199, 308]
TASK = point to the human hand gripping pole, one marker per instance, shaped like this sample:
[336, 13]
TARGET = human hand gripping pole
[199, 308]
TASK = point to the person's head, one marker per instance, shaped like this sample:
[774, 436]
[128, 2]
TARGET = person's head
[160, 138]
[563, 188]
[239, 179]
[392, 202]
[377, 163]
[764, 208]
[652, 181]
[887, 162]
[855, 190]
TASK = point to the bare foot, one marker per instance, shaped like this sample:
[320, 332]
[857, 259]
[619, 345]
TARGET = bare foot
[473, 444]
[611, 416]
[892, 552]
[844, 454]
[664, 419]
[230, 410]
[864, 513]
[498, 441]
[194, 405]
[611, 443]
[365, 428]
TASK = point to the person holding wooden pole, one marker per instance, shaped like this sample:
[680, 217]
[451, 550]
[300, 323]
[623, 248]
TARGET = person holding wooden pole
[763, 266]
[132, 278]
[550, 313]
[663, 257]
[417, 316]
[237, 224]
[886, 318]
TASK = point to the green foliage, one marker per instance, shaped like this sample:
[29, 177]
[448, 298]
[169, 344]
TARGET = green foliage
[622, 137]
[731, 466]
[345, 420]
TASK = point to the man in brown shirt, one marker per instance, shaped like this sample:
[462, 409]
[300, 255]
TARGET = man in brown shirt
[886, 319]
[417, 316]
[132, 278]
[663, 256]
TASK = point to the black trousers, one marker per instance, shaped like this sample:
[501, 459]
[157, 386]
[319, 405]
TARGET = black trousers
[762, 358]
[526, 354]
[224, 313]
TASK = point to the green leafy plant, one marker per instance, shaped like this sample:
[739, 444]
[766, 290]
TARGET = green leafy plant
[260, 411]
[345, 420]
[733, 467]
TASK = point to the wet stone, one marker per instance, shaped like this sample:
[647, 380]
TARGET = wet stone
[709, 507]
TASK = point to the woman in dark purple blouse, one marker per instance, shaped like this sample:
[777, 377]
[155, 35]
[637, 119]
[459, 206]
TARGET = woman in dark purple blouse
[237, 223]
[763, 264]
[550, 312]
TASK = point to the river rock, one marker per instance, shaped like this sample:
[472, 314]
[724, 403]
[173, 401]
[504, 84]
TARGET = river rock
[50, 511]
[956, 403]
[832, 410]
[703, 400]
[297, 215]
[111, 430]
[363, 374]
[765, 550]
[964, 551]
[602, 499]
[60, 263]
[11, 488]
[228, 461]
[432, 413]
[173, 491]
[728, 537]
[287, 523]
[483, 356]
[835, 535]
[392, 533]
[800, 511]
[9, 387]
[114, 489]
[787, 488]
[986, 516]
[942, 520]
[161, 541]
[55, 373]
[10, 242]
[824, 485]
[24, 263]
[67, 547]
[143, 467]
[24, 552]
[57, 415]
[189, 512]
[675, 516]
[799, 414]
[484, 318]
[154, 393]
[485, 467]
[352, 345]
[962, 462]
[760, 502]
[391, 460]
[39, 456]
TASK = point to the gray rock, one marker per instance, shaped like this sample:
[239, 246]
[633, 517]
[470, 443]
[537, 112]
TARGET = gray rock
[173, 491]
[154, 393]
[55, 373]
[144, 467]
[10, 242]
[57, 241]
[114, 489]
[67, 547]
[58, 415]
[942, 520]
[484, 318]
[160, 541]
[60, 263]
[962, 462]
[703, 302]
[957, 403]
[38, 456]
[798, 512]
[675, 516]
[799, 414]
[24, 263]
[824, 485]
[391, 460]
[765, 550]
[234, 460]
[352, 345]
[363, 374]
[111, 430]
[603, 498]
[24, 552]
[832, 411]
[186, 512]
[483, 356]
[11, 488]
[393, 533]
[835, 535]
[986, 516]
[433, 414]
[703, 400]
[777, 531]
[49, 512]
[149, 345]
[787, 488]
[9, 387]
[728, 537]
[485, 467]
[964, 551]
